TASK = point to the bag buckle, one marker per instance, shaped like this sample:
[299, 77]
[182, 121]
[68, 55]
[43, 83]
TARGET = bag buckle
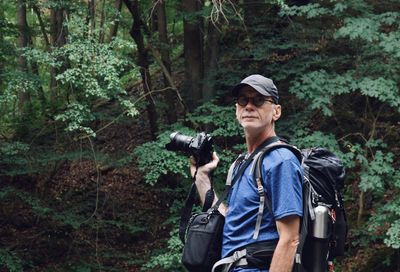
[205, 220]
[236, 256]
[260, 188]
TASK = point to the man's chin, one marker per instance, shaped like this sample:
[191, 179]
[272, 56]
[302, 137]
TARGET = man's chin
[251, 128]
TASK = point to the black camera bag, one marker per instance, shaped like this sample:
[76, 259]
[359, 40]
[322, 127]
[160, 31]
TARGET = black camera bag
[203, 241]
[202, 232]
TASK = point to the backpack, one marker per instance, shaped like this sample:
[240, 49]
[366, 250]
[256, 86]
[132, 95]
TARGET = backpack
[323, 229]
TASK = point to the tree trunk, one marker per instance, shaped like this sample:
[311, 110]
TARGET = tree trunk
[23, 33]
[154, 16]
[34, 65]
[193, 51]
[143, 62]
[115, 24]
[210, 61]
[91, 19]
[170, 96]
[58, 39]
[102, 20]
[163, 34]
[23, 97]
[58, 33]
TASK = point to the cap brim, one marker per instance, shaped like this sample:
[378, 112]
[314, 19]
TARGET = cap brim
[235, 90]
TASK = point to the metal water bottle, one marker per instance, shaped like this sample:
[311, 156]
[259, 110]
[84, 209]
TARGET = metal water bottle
[320, 225]
[320, 232]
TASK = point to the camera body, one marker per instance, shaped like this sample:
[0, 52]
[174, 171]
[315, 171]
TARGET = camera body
[200, 146]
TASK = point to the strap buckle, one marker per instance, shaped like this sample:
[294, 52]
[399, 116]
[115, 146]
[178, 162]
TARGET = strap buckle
[260, 188]
[236, 256]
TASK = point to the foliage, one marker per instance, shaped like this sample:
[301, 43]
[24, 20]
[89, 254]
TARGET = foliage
[81, 105]
[76, 115]
[378, 223]
[164, 162]
[9, 261]
[326, 88]
[169, 259]
[94, 73]
[40, 209]
[319, 88]
[220, 119]
[13, 153]
[377, 172]
[309, 11]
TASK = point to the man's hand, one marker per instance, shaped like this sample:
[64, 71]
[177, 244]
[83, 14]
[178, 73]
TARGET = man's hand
[205, 169]
[203, 182]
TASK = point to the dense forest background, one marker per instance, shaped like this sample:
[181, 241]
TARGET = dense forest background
[90, 91]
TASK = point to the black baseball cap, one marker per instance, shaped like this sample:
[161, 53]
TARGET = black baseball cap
[261, 84]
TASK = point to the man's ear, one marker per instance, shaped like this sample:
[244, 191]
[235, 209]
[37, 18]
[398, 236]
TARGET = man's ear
[276, 112]
[236, 112]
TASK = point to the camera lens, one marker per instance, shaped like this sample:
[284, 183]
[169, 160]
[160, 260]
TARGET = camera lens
[179, 142]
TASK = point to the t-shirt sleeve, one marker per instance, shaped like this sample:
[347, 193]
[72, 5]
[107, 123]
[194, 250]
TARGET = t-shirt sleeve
[284, 188]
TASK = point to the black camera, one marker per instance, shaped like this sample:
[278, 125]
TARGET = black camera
[200, 147]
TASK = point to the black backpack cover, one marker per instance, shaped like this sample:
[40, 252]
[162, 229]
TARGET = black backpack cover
[324, 176]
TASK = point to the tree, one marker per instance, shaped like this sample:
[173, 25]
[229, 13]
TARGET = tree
[24, 96]
[193, 52]
[115, 20]
[136, 32]
[211, 60]
[170, 97]
[58, 38]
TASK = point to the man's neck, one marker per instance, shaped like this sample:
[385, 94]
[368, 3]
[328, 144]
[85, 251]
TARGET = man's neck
[253, 141]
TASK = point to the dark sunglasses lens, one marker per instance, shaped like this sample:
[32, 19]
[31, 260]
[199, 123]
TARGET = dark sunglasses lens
[258, 101]
[242, 101]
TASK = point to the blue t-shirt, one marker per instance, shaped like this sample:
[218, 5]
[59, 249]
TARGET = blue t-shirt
[239, 269]
[282, 181]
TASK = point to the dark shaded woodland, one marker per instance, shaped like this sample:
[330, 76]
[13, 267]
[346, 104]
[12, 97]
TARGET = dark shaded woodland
[91, 90]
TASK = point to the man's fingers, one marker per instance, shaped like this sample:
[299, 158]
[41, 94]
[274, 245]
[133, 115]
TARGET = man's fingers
[192, 160]
[207, 167]
[215, 160]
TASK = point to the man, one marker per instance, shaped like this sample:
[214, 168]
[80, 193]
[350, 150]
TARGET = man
[257, 110]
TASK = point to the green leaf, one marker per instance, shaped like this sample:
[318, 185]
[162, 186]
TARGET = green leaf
[359, 28]
[393, 233]
[385, 90]
[10, 261]
[319, 87]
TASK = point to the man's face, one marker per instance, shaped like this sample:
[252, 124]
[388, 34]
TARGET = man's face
[256, 119]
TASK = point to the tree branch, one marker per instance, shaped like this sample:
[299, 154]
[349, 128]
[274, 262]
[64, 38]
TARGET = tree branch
[42, 27]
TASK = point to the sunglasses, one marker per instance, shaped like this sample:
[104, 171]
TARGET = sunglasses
[257, 101]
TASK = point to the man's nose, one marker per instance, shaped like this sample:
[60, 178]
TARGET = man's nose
[249, 106]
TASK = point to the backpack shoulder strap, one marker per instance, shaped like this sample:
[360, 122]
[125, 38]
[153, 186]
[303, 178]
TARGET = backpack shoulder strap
[232, 169]
[209, 197]
[257, 169]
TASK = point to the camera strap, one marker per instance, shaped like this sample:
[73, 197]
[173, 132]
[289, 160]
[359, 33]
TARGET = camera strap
[191, 198]
[209, 198]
